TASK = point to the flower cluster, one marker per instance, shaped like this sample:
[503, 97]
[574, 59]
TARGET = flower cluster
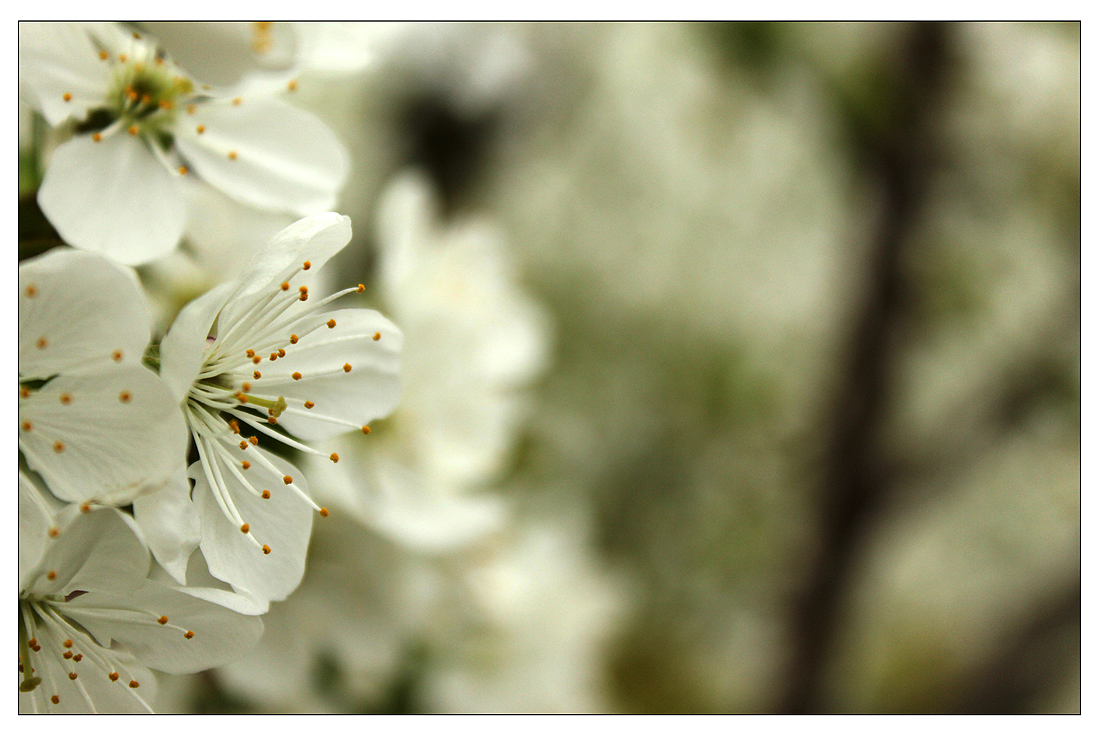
[163, 504]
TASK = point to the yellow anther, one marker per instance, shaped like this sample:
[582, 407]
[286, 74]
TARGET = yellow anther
[285, 286]
[72, 675]
[246, 387]
[309, 405]
[86, 507]
[31, 291]
[24, 392]
[133, 130]
[188, 634]
[273, 420]
[246, 465]
[241, 397]
[124, 396]
[103, 55]
[116, 355]
[66, 398]
[306, 265]
[190, 109]
[113, 676]
[331, 323]
[183, 170]
[267, 550]
[96, 137]
[42, 342]
[78, 657]
[134, 684]
[303, 297]
[122, 57]
[303, 289]
[236, 101]
[324, 512]
[291, 85]
[58, 447]
[232, 154]
[376, 336]
[26, 426]
[288, 479]
[296, 376]
[366, 430]
[67, 655]
[347, 367]
[200, 129]
[137, 35]
[51, 575]
[67, 97]
[334, 458]
[162, 620]
[166, 104]
[282, 353]
[360, 288]
[257, 359]
[274, 355]
[54, 532]
[293, 338]
[68, 643]
[55, 699]
[243, 444]
[265, 494]
[254, 440]
[256, 375]
[244, 528]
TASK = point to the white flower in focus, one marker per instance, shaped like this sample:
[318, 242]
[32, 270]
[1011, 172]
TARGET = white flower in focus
[93, 422]
[91, 624]
[140, 124]
[262, 351]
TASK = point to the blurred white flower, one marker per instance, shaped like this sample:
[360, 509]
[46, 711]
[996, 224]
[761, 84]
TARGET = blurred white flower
[474, 341]
[141, 123]
[91, 624]
[251, 354]
[529, 628]
[93, 422]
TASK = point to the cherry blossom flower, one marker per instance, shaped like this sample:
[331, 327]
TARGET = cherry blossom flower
[260, 359]
[94, 423]
[91, 624]
[140, 124]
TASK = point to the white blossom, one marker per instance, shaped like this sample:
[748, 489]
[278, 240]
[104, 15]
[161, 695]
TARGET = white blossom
[261, 352]
[141, 124]
[91, 624]
[93, 422]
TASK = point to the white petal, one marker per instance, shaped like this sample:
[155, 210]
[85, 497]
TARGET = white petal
[220, 635]
[38, 512]
[284, 158]
[97, 550]
[78, 311]
[367, 392]
[113, 197]
[105, 437]
[222, 54]
[170, 524]
[283, 522]
[313, 239]
[183, 348]
[56, 59]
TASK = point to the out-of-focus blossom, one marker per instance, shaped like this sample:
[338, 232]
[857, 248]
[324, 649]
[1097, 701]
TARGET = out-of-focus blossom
[91, 624]
[93, 422]
[474, 342]
[529, 629]
[251, 354]
[141, 123]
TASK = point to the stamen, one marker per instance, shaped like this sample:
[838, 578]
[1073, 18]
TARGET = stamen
[335, 458]
[309, 405]
[331, 323]
[51, 575]
[246, 465]
[376, 336]
[67, 97]
[296, 376]
[58, 446]
[113, 676]
[162, 620]
[347, 367]
[291, 85]
[31, 291]
[366, 430]
[266, 494]
[189, 635]
[133, 130]
[182, 170]
[96, 137]
[66, 398]
[293, 338]
[200, 129]
[267, 550]
[256, 375]
[26, 426]
[134, 684]
[42, 342]
[116, 355]
[124, 396]
[103, 55]
[306, 265]
[288, 480]
[360, 288]
[323, 512]
[244, 527]
[232, 154]
[236, 101]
